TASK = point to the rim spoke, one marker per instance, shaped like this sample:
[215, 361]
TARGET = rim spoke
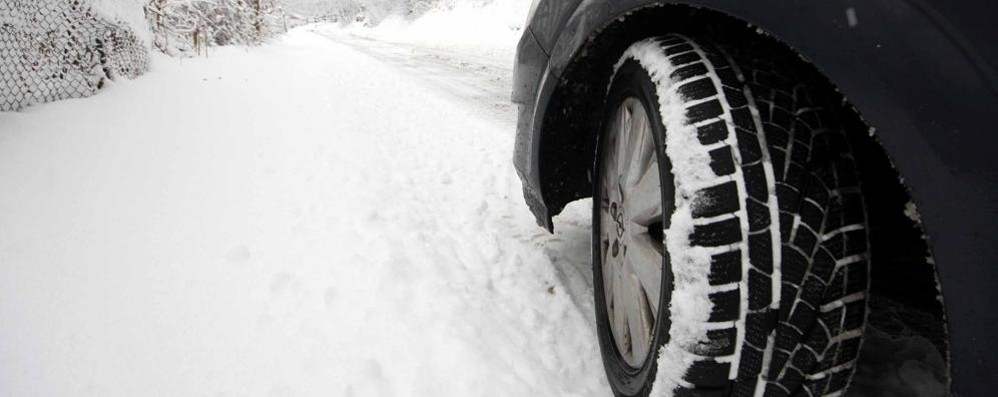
[641, 147]
[624, 135]
[608, 272]
[619, 312]
[645, 199]
[645, 260]
[639, 324]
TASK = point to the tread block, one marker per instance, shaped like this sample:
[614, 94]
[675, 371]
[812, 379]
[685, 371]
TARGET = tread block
[811, 215]
[847, 174]
[783, 99]
[781, 117]
[794, 266]
[848, 350]
[685, 58]
[678, 49]
[748, 147]
[760, 290]
[761, 252]
[791, 376]
[810, 119]
[755, 179]
[802, 133]
[708, 373]
[817, 387]
[777, 136]
[671, 41]
[699, 89]
[775, 390]
[786, 223]
[725, 268]
[713, 132]
[839, 380]
[836, 287]
[812, 290]
[855, 314]
[776, 364]
[714, 56]
[800, 154]
[857, 277]
[789, 198]
[855, 242]
[804, 360]
[720, 342]
[727, 76]
[779, 158]
[744, 387]
[833, 320]
[802, 317]
[794, 175]
[751, 362]
[725, 232]
[717, 200]
[787, 338]
[704, 111]
[722, 162]
[742, 118]
[787, 297]
[726, 306]
[758, 326]
[689, 71]
[805, 240]
[823, 264]
[735, 98]
[758, 216]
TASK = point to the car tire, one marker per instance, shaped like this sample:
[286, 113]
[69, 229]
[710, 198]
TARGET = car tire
[760, 226]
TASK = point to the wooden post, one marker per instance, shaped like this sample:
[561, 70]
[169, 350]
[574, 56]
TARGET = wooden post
[259, 23]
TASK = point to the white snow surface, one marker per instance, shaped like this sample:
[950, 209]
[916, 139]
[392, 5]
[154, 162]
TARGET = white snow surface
[295, 219]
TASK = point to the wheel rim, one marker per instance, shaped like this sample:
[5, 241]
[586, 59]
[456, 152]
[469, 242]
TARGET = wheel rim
[632, 248]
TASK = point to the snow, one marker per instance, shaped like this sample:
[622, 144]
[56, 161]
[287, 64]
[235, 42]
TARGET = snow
[490, 30]
[295, 219]
[131, 12]
[899, 366]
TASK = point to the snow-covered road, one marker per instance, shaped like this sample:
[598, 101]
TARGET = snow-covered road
[298, 219]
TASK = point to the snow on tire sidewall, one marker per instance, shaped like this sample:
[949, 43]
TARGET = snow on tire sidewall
[690, 306]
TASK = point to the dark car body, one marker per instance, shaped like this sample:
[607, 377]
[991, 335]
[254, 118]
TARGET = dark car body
[922, 75]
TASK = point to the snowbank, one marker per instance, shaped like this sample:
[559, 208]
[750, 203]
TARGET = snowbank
[130, 12]
[489, 29]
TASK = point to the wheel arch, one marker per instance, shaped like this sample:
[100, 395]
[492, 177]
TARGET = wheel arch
[905, 141]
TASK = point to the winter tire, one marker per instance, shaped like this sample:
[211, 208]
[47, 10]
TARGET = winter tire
[730, 250]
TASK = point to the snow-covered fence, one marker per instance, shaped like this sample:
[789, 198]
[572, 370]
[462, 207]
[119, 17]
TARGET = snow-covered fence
[59, 49]
[187, 27]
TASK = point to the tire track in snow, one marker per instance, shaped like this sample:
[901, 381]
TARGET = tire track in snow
[473, 79]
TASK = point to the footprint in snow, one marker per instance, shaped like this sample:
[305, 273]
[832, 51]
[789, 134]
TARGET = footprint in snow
[239, 254]
[284, 284]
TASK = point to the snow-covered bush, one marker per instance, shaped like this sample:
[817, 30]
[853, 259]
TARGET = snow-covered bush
[186, 27]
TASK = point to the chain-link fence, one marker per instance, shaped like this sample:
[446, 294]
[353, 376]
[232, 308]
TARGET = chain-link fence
[59, 49]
